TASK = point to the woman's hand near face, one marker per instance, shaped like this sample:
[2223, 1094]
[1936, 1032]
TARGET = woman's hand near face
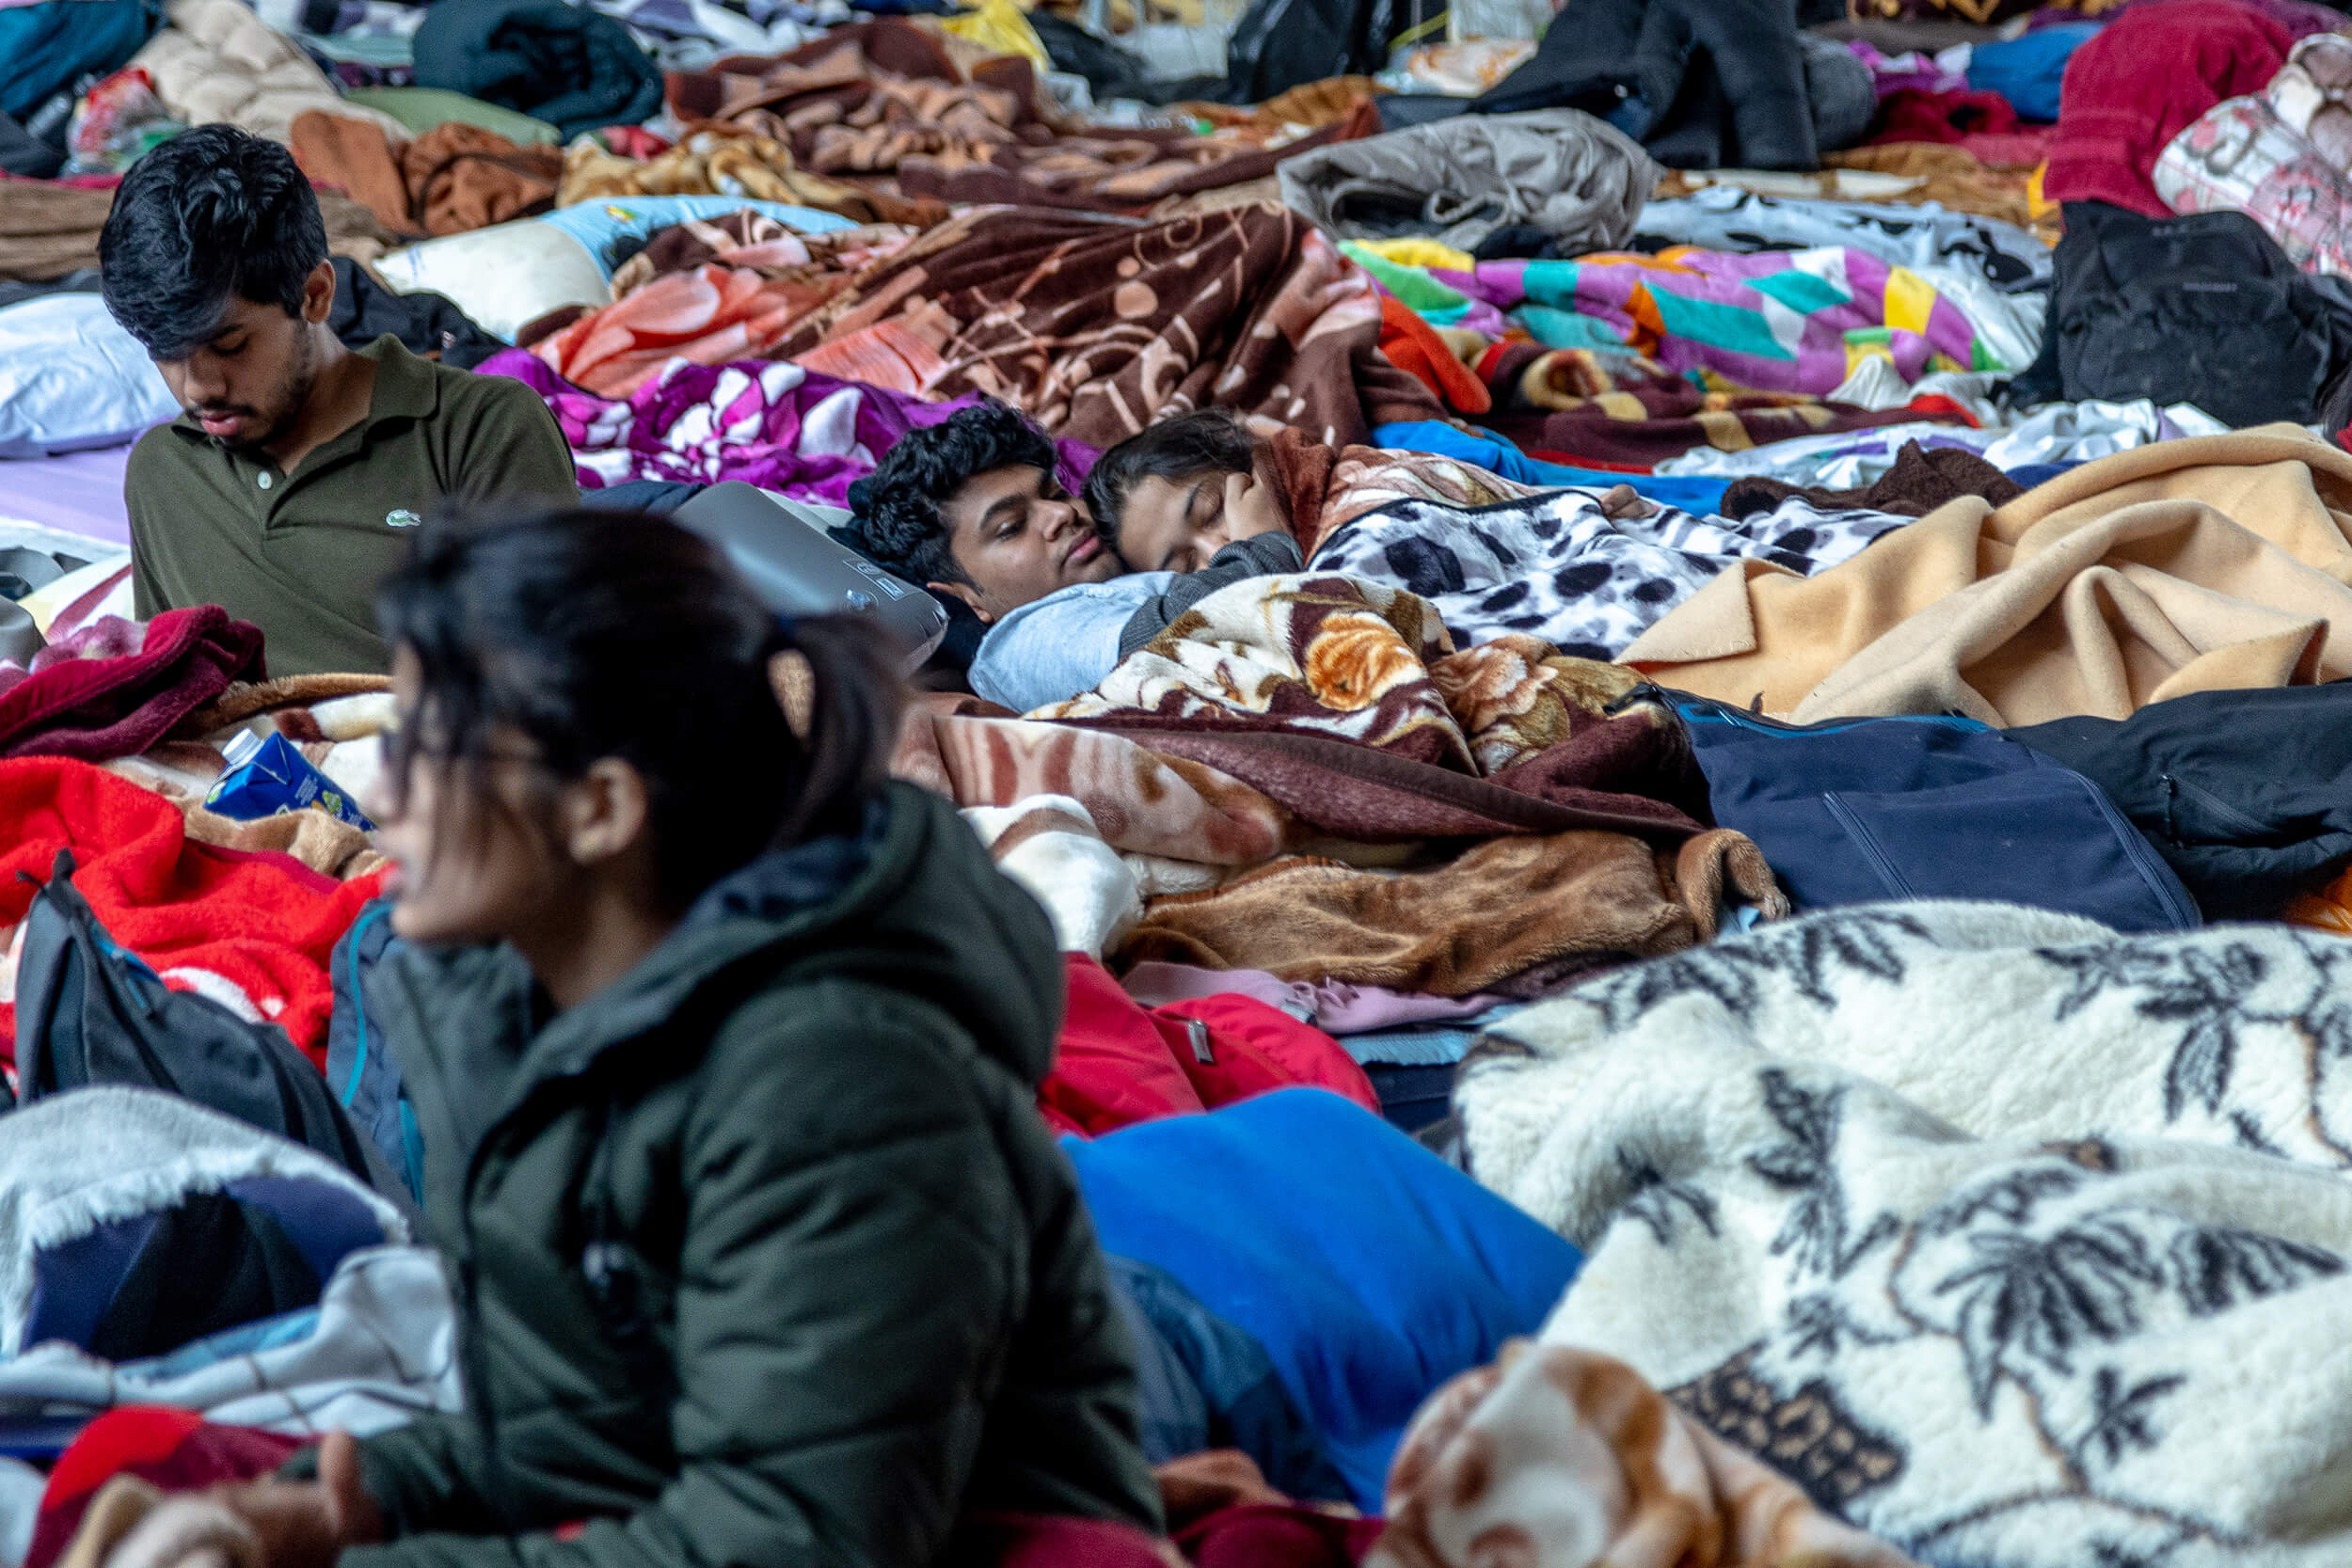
[1250, 509]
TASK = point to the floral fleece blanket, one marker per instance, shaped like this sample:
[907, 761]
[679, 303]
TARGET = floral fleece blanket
[2018, 1243]
[1303, 775]
[765, 422]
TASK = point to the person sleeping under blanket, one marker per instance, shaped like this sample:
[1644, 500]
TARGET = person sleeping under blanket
[1067, 585]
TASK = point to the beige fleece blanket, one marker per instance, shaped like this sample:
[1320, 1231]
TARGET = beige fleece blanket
[2211, 564]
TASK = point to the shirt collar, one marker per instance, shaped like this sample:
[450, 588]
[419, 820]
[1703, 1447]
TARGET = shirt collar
[406, 387]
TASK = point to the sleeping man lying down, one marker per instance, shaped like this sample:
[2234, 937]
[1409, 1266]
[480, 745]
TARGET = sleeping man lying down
[1071, 584]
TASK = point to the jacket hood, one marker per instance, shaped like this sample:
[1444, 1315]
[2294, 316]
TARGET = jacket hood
[914, 903]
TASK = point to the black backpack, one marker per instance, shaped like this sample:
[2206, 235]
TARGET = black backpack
[88, 1011]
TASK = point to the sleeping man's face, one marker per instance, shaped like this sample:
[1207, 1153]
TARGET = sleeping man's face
[1019, 536]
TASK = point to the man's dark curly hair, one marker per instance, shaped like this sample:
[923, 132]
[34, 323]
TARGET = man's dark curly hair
[897, 522]
[209, 217]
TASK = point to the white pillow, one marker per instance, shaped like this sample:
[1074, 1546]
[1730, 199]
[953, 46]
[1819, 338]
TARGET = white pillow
[71, 378]
[503, 275]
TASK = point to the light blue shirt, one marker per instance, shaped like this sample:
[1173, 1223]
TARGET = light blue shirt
[1053, 648]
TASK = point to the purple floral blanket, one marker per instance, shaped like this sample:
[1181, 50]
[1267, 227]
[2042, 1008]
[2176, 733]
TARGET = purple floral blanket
[766, 422]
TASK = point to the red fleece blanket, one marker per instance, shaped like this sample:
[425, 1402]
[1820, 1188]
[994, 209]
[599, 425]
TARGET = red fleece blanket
[252, 931]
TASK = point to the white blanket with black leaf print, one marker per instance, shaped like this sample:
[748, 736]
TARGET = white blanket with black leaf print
[2019, 1243]
[1587, 571]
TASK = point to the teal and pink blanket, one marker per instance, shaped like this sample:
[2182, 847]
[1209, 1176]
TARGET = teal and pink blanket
[1779, 321]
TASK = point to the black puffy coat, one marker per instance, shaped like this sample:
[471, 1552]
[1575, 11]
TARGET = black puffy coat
[763, 1256]
[1701, 84]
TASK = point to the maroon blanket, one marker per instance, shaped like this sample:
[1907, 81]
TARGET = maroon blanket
[95, 699]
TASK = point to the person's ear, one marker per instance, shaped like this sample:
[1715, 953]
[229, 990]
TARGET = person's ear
[318, 292]
[970, 595]
[605, 812]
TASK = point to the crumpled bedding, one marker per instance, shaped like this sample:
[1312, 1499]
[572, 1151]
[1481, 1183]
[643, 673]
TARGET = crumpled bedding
[1284, 682]
[2054, 433]
[1457, 180]
[725, 160]
[251, 931]
[882, 99]
[1573, 1453]
[1614, 408]
[373, 1355]
[1142, 802]
[1776, 320]
[708, 291]
[1585, 571]
[1925, 234]
[1097, 327]
[115, 688]
[2031, 1287]
[1515, 916]
[215, 61]
[454, 178]
[767, 422]
[2195, 566]
[1288, 719]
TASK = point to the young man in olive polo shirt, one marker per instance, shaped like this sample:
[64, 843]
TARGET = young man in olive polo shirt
[288, 489]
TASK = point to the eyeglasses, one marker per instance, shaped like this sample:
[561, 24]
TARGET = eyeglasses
[403, 746]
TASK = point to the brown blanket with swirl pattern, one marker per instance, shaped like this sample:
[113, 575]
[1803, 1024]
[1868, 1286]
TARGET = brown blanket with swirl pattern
[1097, 326]
[883, 103]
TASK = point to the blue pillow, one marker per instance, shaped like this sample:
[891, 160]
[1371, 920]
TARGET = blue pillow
[1370, 1270]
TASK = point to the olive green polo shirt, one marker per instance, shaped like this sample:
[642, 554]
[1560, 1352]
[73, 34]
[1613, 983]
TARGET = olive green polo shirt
[300, 554]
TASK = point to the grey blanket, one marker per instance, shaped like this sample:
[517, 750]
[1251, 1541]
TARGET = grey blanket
[1457, 182]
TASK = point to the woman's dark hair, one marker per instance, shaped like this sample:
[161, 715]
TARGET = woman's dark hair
[616, 634]
[211, 215]
[898, 524]
[1206, 441]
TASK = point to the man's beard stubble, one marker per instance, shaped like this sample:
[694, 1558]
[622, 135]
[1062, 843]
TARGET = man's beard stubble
[294, 395]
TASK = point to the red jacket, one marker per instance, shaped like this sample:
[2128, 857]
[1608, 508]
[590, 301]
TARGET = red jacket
[1119, 1062]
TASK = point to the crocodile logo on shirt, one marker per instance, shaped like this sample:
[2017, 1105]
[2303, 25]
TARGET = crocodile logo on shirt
[402, 518]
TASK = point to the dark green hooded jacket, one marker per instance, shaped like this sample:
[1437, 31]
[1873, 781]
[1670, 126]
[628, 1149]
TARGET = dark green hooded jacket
[763, 1256]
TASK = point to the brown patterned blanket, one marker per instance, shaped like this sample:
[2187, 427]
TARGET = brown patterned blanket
[885, 102]
[1295, 684]
[1097, 326]
[1302, 775]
